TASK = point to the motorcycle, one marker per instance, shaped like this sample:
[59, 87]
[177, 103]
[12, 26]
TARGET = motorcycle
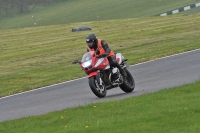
[102, 77]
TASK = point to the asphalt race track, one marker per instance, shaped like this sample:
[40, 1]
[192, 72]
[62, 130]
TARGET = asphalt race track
[149, 77]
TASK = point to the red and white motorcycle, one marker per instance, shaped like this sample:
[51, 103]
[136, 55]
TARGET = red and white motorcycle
[102, 77]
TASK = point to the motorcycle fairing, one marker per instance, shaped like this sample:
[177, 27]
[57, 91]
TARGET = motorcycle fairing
[119, 58]
[92, 74]
[101, 63]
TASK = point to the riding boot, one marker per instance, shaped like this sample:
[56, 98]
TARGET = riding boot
[112, 61]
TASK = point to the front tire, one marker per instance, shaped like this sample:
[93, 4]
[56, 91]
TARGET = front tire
[128, 85]
[99, 90]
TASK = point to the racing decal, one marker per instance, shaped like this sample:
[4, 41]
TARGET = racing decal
[99, 62]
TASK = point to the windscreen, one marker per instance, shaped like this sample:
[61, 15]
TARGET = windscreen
[86, 56]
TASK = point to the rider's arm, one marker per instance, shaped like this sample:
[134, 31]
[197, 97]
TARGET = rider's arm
[105, 47]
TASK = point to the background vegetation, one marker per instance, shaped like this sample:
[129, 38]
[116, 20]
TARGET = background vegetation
[11, 7]
[70, 11]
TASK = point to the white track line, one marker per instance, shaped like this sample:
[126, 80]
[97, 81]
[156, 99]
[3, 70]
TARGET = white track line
[86, 77]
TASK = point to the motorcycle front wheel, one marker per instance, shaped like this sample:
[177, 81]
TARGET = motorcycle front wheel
[99, 90]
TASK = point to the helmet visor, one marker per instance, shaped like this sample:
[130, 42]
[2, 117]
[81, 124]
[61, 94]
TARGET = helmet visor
[90, 43]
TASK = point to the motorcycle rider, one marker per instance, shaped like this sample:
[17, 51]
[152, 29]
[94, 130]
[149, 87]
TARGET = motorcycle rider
[102, 50]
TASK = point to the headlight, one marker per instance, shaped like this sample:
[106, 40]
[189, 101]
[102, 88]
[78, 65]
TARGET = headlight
[87, 63]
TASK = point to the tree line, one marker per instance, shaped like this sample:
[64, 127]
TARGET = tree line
[8, 7]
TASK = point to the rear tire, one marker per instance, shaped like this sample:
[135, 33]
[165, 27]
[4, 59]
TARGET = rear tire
[128, 85]
[99, 90]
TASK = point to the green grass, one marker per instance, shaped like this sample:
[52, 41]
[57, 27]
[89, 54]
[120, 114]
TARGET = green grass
[168, 111]
[40, 56]
[71, 11]
[35, 57]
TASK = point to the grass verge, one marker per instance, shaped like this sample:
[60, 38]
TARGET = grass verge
[168, 111]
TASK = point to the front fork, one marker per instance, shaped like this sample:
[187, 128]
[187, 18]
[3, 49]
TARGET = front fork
[97, 76]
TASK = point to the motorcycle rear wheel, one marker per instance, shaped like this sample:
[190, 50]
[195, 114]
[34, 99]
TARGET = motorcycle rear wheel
[128, 85]
[99, 90]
